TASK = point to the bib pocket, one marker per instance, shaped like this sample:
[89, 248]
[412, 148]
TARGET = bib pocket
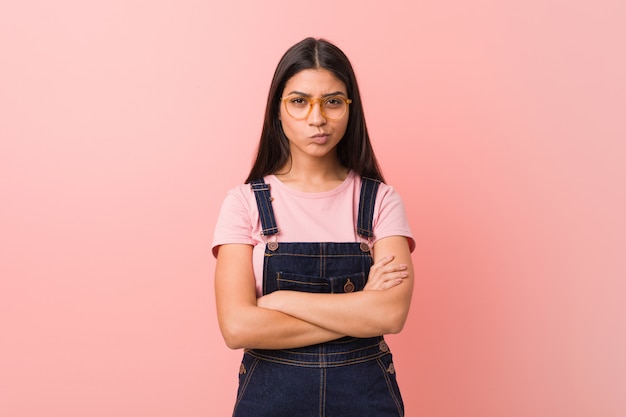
[314, 284]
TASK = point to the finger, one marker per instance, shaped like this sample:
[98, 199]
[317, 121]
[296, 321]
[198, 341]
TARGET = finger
[383, 261]
[395, 276]
[392, 268]
[396, 267]
[391, 283]
[387, 280]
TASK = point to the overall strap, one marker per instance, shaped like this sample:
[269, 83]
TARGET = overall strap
[364, 224]
[264, 204]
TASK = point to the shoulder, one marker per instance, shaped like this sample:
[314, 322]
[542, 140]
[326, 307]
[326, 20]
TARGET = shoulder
[240, 195]
[237, 218]
[390, 216]
[388, 201]
[385, 192]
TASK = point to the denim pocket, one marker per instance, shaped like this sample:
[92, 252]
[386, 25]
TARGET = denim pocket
[303, 283]
[348, 283]
[314, 284]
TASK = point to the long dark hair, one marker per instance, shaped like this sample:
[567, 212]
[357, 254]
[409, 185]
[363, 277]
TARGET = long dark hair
[354, 150]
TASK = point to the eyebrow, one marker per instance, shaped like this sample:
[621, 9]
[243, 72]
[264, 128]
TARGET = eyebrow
[334, 93]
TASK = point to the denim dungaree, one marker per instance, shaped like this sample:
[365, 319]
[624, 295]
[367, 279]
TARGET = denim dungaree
[341, 378]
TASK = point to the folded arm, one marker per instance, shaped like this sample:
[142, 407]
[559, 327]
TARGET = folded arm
[246, 325]
[377, 310]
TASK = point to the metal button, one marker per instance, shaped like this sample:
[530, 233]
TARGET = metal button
[272, 246]
[349, 286]
[383, 346]
[364, 247]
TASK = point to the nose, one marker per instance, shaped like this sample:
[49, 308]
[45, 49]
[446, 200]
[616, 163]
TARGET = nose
[316, 117]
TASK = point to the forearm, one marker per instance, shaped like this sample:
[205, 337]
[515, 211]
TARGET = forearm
[360, 314]
[372, 312]
[261, 328]
[246, 325]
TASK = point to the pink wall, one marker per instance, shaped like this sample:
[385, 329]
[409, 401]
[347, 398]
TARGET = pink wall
[123, 123]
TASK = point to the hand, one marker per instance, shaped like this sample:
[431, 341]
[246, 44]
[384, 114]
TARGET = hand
[384, 275]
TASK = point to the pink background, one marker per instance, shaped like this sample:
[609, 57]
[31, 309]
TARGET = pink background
[123, 123]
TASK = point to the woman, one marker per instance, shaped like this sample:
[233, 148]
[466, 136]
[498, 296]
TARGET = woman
[313, 253]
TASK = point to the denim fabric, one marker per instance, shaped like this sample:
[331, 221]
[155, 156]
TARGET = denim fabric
[367, 389]
[264, 204]
[369, 188]
[325, 267]
[342, 378]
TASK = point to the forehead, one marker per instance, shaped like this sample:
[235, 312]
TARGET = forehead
[314, 82]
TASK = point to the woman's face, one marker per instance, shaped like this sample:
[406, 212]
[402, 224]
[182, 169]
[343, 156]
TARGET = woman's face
[315, 135]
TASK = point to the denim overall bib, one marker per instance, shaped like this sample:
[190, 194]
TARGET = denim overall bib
[341, 378]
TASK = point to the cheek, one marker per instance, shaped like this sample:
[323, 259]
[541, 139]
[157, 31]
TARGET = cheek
[286, 123]
[343, 127]
[288, 126]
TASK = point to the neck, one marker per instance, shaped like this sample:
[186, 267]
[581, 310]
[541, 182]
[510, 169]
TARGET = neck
[313, 175]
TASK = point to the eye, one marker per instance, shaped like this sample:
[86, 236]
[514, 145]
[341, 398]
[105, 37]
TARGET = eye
[298, 102]
[333, 102]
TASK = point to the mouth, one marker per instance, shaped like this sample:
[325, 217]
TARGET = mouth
[320, 137]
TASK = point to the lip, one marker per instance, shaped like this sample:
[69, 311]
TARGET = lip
[320, 138]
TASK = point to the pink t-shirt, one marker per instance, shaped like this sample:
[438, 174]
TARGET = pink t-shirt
[307, 217]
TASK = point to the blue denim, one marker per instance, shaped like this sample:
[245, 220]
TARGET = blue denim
[341, 378]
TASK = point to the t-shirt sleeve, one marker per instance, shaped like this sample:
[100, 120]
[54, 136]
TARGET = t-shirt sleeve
[234, 222]
[390, 218]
